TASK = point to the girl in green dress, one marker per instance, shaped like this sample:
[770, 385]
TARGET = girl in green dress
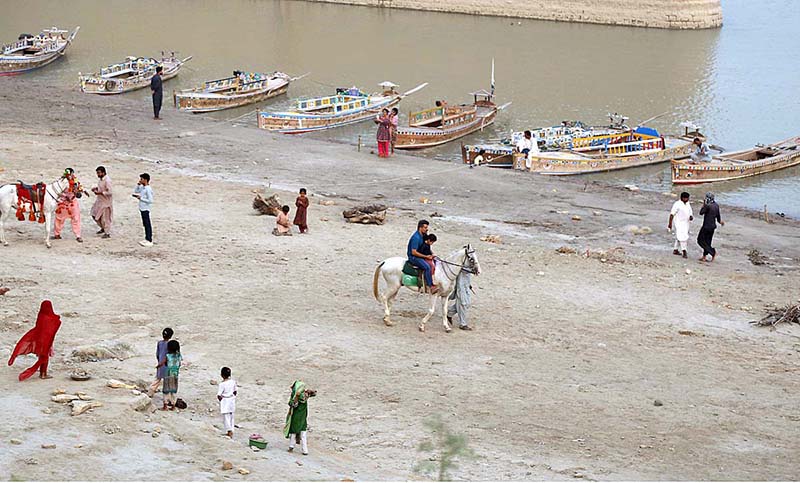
[173, 364]
[297, 419]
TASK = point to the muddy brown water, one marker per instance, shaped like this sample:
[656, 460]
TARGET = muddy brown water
[740, 83]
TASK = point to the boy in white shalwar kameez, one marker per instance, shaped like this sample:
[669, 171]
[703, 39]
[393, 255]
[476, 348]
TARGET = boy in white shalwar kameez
[681, 216]
[226, 394]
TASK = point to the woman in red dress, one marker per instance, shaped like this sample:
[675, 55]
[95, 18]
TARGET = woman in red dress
[39, 341]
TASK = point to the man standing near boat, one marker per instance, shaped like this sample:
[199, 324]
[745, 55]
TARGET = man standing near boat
[701, 152]
[711, 217]
[158, 92]
[680, 216]
[526, 146]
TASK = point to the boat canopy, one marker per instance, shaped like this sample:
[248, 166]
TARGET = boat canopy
[647, 131]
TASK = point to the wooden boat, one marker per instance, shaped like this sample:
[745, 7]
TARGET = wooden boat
[238, 90]
[608, 152]
[739, 164]
[33, 51]
[347, 106]
[443, 123]
[131, 74]
[500, 154]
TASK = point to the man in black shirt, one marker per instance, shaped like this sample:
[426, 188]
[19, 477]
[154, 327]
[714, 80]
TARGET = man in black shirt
[710, 212]
[158, 92]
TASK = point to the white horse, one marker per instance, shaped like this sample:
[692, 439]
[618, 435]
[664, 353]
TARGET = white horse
[8, 205]
[447, 271]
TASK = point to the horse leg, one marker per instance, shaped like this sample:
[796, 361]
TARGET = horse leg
[388, 299]
[3, 216]
[447, 327]
[431, 311]
[48, 216]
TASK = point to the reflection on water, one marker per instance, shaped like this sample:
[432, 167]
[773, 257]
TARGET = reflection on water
[740, 83]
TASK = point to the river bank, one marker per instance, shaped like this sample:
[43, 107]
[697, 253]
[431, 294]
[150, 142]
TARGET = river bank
[667, 14]
[558, 380]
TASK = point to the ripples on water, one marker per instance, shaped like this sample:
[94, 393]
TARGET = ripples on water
[740, 82]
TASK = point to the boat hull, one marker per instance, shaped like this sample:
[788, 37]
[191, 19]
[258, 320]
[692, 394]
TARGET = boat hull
[716, 171]
[292, 123]
[493, 157]
[19, 64]
[425, 137]
[551, 164]
[199, 102]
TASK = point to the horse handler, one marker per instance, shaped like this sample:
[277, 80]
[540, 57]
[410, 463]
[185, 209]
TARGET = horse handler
[69, 207]
[461, 300]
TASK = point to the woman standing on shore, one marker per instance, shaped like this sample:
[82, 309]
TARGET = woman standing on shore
[395, 120]
[384, 123]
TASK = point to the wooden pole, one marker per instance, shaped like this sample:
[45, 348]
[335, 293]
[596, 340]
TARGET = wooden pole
[359, 143]
[766, 214]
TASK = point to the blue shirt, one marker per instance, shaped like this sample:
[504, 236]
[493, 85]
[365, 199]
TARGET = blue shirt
[414, 243]
[145, 197]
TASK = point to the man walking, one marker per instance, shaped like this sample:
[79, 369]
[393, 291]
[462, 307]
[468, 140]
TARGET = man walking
[710, 212]
[417, 258]
[158, 92]
[145, 195]
[461, 301]
[103, 208]
[681, 215]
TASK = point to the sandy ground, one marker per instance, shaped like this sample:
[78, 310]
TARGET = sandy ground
[557, 381]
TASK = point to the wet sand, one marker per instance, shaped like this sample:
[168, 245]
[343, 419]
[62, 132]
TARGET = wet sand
[558, 380]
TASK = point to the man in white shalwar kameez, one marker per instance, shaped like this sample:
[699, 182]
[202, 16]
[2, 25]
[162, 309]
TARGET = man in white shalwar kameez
[680, 217]
[527, 146]
[461, 301]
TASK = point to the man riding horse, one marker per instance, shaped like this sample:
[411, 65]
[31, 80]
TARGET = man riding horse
[418, 259]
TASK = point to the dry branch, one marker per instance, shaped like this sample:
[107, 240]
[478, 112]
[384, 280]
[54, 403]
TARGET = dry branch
[776, 315]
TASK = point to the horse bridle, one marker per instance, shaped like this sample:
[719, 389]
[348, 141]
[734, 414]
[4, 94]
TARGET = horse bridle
[55, 198]
[465, 268]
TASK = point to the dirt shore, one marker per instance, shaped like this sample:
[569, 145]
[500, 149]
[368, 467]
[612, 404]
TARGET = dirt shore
[558, 380]
[669, 14]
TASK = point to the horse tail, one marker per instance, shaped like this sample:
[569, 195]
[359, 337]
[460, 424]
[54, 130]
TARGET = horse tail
[375, 282]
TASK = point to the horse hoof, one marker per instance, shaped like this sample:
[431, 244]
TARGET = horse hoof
[448, 329]
[388, 323]
[49, 246]
[421, 328]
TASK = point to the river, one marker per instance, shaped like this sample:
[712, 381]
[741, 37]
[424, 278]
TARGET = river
[740, 82]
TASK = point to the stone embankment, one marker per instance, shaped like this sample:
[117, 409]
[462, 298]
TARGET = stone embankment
[669, 14]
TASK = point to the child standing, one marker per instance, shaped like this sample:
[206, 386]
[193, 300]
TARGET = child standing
[161, 359]
[226, 394]
[173, 366]
[144, 193]
[301, 215]
[297, 419]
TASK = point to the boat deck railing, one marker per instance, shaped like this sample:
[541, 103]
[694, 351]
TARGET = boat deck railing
[606, 144]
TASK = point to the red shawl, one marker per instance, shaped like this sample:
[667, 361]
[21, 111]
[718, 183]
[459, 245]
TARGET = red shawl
[38, 340]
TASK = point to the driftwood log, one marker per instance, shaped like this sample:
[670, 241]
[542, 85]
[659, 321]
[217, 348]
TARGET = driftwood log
[367, 214]
[267, 206]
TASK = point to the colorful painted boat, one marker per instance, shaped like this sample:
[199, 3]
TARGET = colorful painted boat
[739, 164]
[444, 123]
[131, 74]
[500, 154]
[238, 90]
[608, 152]
[347, 106]
[33, 51]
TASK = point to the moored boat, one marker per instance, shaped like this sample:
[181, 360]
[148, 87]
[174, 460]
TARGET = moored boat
[346, 106]
[131, 74]
[443, 123]
[608, 152]
[499, 154]
[240, 89]
[33, 51]
[739, 164]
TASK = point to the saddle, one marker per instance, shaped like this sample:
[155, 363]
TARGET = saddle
[29, 196]
[412, 276]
